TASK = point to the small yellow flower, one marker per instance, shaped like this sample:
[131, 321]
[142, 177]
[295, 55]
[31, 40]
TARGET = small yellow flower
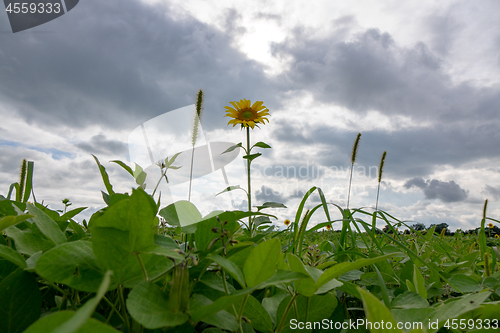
[328, 227]
[497, 236]
[245, 114]
[287, 222]
[490, 225]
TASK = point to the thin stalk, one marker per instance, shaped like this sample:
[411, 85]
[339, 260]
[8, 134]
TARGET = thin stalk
[113, 309]
[191, 174]
[353, 159]
[143, 268]
[250, 226]
[240, 314]
[123, 307]
[285, 314]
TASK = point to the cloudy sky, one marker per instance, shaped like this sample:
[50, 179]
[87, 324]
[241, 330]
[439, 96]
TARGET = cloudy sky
[418, 79]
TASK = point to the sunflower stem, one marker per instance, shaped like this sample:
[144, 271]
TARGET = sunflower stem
[249, 193]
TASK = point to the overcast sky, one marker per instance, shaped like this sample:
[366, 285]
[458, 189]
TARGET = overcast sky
[418, 79]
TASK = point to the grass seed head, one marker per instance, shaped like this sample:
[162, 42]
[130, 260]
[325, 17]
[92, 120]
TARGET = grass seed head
[355, 148]
[381, 166]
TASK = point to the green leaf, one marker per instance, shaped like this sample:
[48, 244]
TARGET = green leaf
[465, 283]
[165, 242]
[149, 306]
[232, 188]
[230, 149]
[409, 300]
[139, 175]
[230, 267]
[202, 308]
[376, 311]
[73, 264]
[21, 301]
[181, 213]
[123, 165]
[309, 309]
[51, 322]
[271, 205]
[257, 314]
[455, 308]
[12, 255]
[9, 221]
[28, 242]
[419, 282]
[121, 232]
[261, 262]
[344, 267]
[252, 156]
[46, 225]
[105, 177]
[159, 250]
[261, 145]
[71, 213]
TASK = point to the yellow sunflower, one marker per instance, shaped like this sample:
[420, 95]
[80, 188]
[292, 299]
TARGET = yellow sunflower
[497, 236]
[328, 227]
[287, 222]
[245, 114]
[490, 225]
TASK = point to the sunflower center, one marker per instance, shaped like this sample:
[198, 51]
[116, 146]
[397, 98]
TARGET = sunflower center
[247, 114]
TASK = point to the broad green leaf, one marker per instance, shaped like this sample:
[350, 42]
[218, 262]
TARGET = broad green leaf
[51, 322]
[261, 145]
[271, 303]
[257, 314]
[121, 232]
[28, 242]
[376, 312]
[419, 282]
[159, 250]
[12, 255]
[455, 308]
[204, 310]
[344, 267]
[465, 283]
[271, 205]
[252, 156]
[32, 260]
[230, 149]
[230, 267]
[8, 221]
[261, 262]
[149, 306]
[409, 300]
[21, 301]
[165, 242]
[46, 225]
[6, 268]
[181, 213]
[73, 264]
[306, 287]
[309, 309]
[85, 312]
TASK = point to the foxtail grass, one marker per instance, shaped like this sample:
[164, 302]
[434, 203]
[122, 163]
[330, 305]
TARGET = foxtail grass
[353, 160]
[194, 136]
